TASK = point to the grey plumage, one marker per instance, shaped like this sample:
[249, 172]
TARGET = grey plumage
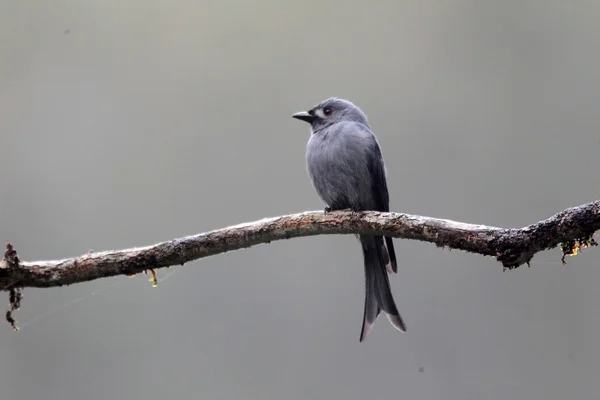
[346, 167]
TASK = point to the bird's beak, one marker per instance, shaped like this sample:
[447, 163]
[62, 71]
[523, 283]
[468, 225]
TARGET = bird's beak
[304, 116]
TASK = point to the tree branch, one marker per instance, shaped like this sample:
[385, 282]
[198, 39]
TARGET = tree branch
[571, 228]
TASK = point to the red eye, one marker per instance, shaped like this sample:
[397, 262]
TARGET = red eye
[327, 111]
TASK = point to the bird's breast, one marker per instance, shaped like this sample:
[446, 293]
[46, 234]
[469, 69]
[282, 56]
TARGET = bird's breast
[339, 172]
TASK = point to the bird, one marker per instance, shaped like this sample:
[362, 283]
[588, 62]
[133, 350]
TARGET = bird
[345, 165]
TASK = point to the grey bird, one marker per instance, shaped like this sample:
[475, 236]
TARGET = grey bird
[346, 167]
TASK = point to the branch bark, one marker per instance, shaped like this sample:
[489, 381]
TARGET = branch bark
[570, 228]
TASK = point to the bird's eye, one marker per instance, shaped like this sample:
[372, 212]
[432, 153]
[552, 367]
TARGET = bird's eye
[327, 111]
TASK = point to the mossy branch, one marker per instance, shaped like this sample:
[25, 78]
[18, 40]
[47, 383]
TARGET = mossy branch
[571, 228]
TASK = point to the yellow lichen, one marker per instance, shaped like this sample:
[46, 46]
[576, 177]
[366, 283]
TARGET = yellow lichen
[574, 247]
[153, 278]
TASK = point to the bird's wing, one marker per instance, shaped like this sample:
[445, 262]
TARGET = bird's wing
[380, 193]
[379, 183]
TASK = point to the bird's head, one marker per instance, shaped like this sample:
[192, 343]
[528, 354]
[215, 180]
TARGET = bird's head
[331, 111]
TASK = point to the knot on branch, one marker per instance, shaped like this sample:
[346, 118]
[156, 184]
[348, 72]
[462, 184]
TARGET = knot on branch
[514, 248]
[11, 257]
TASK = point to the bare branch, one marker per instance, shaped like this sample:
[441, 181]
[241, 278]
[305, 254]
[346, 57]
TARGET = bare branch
[571, 228]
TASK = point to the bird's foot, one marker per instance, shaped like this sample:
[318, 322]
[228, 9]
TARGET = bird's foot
[327, 210]
[351, 209]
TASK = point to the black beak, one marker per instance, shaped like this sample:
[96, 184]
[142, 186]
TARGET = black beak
[306, 116]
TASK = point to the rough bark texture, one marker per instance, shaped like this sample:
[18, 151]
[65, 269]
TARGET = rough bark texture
[571, 228]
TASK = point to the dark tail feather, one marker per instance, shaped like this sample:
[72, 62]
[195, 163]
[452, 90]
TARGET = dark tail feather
[391, 254]
[372, 310]
[378, 294]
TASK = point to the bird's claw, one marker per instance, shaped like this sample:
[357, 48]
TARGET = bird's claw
[327, 210]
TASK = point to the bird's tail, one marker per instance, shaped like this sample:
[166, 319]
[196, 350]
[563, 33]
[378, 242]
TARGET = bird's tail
[378, 294]
[389, 255]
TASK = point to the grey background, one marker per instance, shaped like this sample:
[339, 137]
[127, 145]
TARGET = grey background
[125, 123]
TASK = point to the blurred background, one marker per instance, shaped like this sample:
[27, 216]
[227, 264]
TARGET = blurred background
[125, 123]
